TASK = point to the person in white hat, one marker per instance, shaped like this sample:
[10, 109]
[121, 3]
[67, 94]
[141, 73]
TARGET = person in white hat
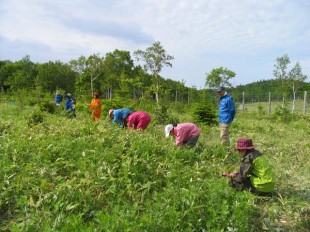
[184, 133]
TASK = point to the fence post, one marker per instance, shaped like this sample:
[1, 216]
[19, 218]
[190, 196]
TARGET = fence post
[110, 93]
[305, 102]
[243, 102]
[188, 97]
[269, 107]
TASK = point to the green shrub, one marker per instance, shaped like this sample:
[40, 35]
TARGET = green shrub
[161, 116]
[282, 114]
[4, 126]
[35, 118]
[76, 175]
[47, 106]
[260, 110]
[205, 113]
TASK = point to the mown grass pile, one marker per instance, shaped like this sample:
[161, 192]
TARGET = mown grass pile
[62, 174]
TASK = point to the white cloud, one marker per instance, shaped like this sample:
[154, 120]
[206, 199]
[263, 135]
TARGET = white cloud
[242, 35]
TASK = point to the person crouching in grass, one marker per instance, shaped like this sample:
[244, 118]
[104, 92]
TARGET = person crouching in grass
[255, 174]
[184, 133]
[138, 120]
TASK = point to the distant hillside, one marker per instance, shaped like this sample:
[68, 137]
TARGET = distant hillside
[259, 91]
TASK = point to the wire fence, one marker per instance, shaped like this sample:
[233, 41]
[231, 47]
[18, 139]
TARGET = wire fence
[298, 105]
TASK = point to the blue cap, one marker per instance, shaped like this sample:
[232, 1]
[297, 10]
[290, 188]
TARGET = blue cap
[220, 88]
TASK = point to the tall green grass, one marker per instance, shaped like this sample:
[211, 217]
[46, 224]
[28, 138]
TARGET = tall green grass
[65, 174]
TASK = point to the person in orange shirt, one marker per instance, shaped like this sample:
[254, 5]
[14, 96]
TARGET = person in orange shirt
[95, 106]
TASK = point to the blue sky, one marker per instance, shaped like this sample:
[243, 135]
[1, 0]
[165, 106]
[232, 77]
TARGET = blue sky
[245, 36]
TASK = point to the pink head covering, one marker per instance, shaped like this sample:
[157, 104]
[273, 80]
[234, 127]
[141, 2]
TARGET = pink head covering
[244, 144]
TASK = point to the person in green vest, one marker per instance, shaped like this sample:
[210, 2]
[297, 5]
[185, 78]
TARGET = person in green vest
[255, 174]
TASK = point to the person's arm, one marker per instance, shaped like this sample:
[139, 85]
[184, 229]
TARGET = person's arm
[130, 122]
[118, 121]
[91, 106]
[116, 118]
[180, 137]
[67, 104]
[231, 107]
[245, 169]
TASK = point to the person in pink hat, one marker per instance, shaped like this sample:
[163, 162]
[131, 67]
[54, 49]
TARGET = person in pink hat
[255, 173]
[138, 120]
[184, 133]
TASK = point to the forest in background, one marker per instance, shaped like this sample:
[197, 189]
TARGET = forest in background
[116, 77]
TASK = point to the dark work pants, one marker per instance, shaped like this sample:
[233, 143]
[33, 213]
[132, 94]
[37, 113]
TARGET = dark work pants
[191, 142]
[247, 185]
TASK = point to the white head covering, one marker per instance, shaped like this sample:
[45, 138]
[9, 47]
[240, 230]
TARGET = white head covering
[168, 129]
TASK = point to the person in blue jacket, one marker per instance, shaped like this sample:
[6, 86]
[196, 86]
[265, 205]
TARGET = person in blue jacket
[226, 114]
[58, 98]
[70, 105]
[119, 115]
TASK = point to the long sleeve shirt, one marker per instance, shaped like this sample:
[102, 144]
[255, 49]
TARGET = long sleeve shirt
[138, 120]
[120, 115]
[95, 107]
[58, 98]
[227, 109]
[69, 104]
[184, 131]
[256, 167]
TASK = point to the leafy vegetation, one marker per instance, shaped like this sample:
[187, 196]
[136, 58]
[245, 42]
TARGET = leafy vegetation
[205, 113]
[116, 77]
[65, 173]
[219, 77]
[70, 174]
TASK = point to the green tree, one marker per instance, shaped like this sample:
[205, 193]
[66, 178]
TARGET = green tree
[94, 68]
[296, 78]
[280, 72]
[78, 66]
[22, 75]
[289, 79]
[219, 77]
[6, 68]
[155, 58]
[142, 82]
[175, 91]
[55, 75]
[118, 68]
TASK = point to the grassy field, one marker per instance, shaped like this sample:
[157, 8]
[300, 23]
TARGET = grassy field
[264, 106]
[62, 174]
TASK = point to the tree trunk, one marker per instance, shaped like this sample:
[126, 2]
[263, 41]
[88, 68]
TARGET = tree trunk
[269, 107]
[91, 84]
[305, 102]
[294, 98]
[157, 90]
